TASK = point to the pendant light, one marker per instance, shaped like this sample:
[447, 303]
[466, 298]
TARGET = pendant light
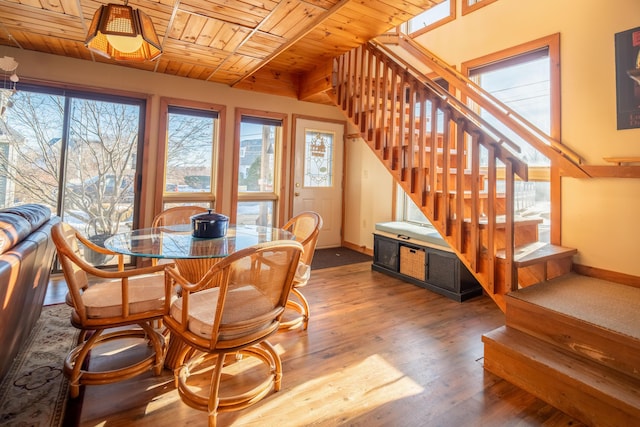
[123, 33]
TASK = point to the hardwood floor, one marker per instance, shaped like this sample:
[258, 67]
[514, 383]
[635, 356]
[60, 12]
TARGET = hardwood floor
[378, 352]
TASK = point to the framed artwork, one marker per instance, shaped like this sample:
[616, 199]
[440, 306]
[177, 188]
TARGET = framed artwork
[627, 49]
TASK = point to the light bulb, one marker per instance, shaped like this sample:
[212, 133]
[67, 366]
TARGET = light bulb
[125, 44]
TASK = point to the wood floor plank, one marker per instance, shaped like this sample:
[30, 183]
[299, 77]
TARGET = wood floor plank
[378, 352]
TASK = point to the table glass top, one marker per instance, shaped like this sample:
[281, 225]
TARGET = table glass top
[177, 242]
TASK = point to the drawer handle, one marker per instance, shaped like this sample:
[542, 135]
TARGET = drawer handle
[403, 237]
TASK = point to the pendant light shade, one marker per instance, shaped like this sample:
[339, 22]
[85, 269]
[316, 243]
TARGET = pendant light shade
[123, 33]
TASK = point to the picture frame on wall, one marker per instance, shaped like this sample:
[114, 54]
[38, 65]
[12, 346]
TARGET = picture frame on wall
[627, 51]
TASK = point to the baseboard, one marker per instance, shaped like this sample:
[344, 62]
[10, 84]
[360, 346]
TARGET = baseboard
[611, 276]
[358, 248]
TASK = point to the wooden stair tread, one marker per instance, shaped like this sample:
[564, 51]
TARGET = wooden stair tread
[536, 252]
[609, 305]
[555, 368]
[501, 221]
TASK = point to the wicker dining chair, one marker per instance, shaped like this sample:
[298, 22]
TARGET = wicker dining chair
[176, 215]
[128, 301]
[231, 311]
[306, 228]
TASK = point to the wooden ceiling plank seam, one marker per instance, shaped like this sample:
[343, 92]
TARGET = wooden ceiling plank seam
[274, 10]
[319, 19]
[72, 7]
[324, 4]
[178, 25]
[300, 15]
[211, 28]
[193, 28]
[10, 37]
[32, 3]
[248, 17]
[230, 37]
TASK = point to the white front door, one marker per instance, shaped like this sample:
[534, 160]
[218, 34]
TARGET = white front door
[318, 176]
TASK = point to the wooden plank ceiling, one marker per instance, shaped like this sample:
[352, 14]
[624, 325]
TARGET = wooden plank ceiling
[272, 46]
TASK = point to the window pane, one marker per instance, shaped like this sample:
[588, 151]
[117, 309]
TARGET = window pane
[100, 169]
[30, 149]
[525, 86]
[257, 157]
[190, 143]
[430, 16]
[318, 159]
[255, 213]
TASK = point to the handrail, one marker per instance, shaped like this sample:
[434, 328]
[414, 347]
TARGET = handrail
[569, 161]
[450, 99]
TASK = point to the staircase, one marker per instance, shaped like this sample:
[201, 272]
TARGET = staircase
[574, 343]
[457, 168]
[558, 343]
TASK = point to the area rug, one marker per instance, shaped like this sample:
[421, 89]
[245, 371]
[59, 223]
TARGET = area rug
[336, 257]
[34, 390]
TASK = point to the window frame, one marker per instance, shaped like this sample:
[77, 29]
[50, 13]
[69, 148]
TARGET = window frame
[433, 25]
[276, 196]
[468, 8]
[209, 199]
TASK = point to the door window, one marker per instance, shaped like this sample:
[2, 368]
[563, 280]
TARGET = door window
[318, 158]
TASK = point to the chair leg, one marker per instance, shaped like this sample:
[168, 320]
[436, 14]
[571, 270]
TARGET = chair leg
[158, 346]
[75, 360]
[305, 307]
[214, 399]
[301, 307]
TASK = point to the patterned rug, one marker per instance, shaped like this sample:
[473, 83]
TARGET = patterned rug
[34, 391]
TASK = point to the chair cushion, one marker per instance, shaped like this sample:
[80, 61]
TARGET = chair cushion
[104, 299]
[303, 272]
[243, 303]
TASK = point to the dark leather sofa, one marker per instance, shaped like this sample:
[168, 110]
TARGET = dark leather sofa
[26, 257]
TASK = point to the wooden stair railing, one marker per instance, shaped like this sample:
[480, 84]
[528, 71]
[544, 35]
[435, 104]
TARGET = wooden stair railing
[568, 161]
[427, 138]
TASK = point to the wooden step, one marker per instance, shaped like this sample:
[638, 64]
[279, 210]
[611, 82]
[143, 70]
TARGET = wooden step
[593, 393]
[596, 319]
[539, 261]
[525, 230]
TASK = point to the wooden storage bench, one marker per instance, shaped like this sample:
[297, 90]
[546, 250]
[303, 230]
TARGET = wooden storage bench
[420, 256]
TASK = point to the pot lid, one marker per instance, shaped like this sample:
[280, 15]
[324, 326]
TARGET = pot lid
[210, 216]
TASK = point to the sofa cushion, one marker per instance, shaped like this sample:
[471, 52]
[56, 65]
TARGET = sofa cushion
[17, 222]
[34, 213]
[13, 229]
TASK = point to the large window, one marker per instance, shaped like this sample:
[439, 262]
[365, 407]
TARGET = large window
[526, 79]
[75, 152]
[258, 154]
[190, 154]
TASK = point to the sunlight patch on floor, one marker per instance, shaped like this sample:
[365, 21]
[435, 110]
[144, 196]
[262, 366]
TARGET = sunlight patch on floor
[348, 393]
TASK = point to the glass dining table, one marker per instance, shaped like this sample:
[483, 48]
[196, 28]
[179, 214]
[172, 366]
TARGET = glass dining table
[192, 256]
